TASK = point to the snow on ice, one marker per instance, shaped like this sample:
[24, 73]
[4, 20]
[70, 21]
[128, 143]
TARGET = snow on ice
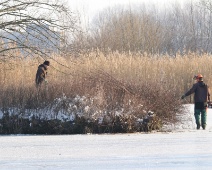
[180, 146]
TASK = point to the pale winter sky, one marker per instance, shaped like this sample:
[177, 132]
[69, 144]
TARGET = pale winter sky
[91, 7]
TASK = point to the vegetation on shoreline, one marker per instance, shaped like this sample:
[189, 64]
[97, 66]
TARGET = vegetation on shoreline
[125, 86]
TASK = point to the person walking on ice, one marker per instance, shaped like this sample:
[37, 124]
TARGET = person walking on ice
[41, 73]
[201, 96]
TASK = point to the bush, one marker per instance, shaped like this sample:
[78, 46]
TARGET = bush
[109, 112]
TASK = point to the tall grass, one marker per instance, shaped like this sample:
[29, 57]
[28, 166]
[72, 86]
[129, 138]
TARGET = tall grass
[115, 81]
[173, 73]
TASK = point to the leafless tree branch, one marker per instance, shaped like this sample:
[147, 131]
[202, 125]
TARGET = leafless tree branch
[35, 25]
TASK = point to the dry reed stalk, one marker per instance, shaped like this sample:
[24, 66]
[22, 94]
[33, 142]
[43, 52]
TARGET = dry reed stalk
[133, 69]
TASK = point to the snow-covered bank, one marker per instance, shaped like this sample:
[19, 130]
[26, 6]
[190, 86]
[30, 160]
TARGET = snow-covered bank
[187, 120]
[184, 149]
[78, 115]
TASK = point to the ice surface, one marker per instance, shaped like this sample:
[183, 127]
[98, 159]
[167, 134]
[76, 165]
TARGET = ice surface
[186, 148]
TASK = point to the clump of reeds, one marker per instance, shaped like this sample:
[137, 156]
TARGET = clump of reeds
[114, 81]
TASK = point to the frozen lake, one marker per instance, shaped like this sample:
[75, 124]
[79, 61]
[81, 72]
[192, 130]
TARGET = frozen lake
[187, 149]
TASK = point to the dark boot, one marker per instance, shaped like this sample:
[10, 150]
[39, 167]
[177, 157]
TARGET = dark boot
[198, 126]
[203, 126]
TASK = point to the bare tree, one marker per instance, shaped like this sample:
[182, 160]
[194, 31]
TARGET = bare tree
[174, 30]
[207, 4]
[127, 30]
[34, 27]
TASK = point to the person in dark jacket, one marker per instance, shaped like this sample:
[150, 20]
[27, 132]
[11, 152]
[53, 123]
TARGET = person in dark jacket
[41, 73]
[201, 97]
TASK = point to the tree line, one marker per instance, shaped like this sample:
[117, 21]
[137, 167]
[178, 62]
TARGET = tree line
[142, 29]
[177, 29]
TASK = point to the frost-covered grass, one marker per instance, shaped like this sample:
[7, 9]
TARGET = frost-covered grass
[76, 115]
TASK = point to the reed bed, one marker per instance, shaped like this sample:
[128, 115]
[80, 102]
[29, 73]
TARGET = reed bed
[137, 69]
[114, 82]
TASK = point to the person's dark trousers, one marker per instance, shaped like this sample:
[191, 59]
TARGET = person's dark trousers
[203, 113]
[200, 108]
